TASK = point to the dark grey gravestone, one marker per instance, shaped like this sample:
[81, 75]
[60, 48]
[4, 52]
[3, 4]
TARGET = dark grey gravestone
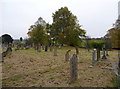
[73, 68]
[46, 48]
[107, 53]
[104, 54]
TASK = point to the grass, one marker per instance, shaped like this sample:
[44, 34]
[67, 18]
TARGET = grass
[28, 68]
[115, 82]
[16, 77]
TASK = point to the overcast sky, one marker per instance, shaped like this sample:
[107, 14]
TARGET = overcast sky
[95, 16]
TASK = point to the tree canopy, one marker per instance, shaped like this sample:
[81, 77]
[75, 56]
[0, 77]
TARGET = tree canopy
[65, 27]
[6, 39]
[37, 32]
[114, 36]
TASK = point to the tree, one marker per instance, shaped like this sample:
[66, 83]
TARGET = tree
[66, 29]
[98, 44]
[37, 33]
[6, 39]
[21, 39]
[114, 36]
[87, 42]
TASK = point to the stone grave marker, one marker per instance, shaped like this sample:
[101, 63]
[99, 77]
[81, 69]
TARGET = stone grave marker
[104, 54]
[67, 55]
[73, 68]
[94, 56]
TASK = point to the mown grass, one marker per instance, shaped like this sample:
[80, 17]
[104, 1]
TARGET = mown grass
[42, 68]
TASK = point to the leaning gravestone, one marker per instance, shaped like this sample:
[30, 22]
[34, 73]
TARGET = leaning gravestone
[67, 55]
[94, 58]
[73, 68]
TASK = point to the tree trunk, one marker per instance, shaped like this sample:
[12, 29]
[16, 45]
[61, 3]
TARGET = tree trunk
[77, 51]
[98, 54]
[35, 46]
[39, 48]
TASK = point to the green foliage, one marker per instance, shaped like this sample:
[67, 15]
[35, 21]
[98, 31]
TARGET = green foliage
[114, 36]
[6, 39]
[37, 32]
[65, 28]
[16, 77]
[21, 39]
[96, 44]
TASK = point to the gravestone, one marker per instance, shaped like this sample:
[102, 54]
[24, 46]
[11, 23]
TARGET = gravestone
[73, 68]
[107, 53]
[67, 56]
[94, 57]
[50, 48]
[17, 47]
[104, 54]
[27, 47]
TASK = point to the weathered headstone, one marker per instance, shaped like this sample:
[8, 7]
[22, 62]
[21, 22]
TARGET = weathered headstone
[27, 47]
[73, 68]
[104, 54]
[94, 58]
[107, 53]
[51, 48]
[17, 47]
[67, 55]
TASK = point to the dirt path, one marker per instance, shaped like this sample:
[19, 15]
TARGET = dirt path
[28, 68]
